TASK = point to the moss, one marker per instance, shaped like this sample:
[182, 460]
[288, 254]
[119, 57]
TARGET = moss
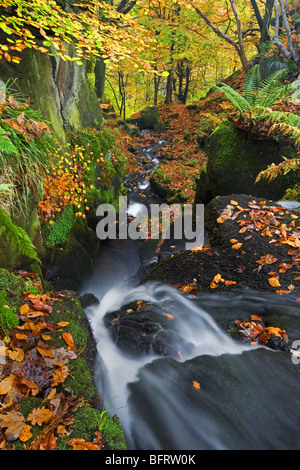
[86, 423]
[80, 379]
[12, 282]
[236, 158]
[61, 228]
[112, 433]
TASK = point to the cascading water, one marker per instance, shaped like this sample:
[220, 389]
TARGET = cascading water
[235, 404]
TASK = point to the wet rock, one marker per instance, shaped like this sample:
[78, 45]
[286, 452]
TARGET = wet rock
[88, 300]
[228, 402]
[145, 331]
[235, 159]
[236, 265]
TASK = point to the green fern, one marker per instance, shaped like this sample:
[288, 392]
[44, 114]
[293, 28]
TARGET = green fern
[17, 236]
[8, 318]
[239, 101]
[255, 104]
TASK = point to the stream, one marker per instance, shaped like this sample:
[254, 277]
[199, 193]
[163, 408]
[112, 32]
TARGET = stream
[216, 393]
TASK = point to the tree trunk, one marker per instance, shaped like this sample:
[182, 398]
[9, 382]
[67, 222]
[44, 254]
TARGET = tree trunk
[169, 88]
[265, 35]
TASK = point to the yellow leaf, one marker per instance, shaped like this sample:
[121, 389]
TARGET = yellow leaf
[6, 384]
[274, 282]
[236, 246]
[16, 355]
[196, 385]
[168, 315]
[24, 309]
[63, 323]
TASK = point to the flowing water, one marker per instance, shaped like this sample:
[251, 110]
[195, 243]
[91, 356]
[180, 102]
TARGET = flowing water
[245, 399]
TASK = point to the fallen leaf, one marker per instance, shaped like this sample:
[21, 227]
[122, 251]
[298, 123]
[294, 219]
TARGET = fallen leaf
[26, 433]
[60, 375]
[24, 309]
[236, 246]
[68, 338]
[16, 354]
[6, 384]
[168, 315]
[196, 385]
[40, 416]
[274, 282]
[81, 444]
[14, 423]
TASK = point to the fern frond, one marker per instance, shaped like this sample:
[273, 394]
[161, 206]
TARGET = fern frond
[17, 236]
[282, 168]
[237, 100]
[251, 83]
[272, 88]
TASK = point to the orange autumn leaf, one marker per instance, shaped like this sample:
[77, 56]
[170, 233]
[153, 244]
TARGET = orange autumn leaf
[81, 444]
[236, 246]
[14, 423]
[168, 315]
[196, 385]
[256, 318]
[47, 338]
[218, 278]
[188, 288]
[267, 259]
[45, 352]
[6, 384]
[229, 283]
[60, 375]
[63, 323]
[16, 355]
[68, 338]
[264, 337]
[26, 433]
[24, 309]
[40, 416]
[274, 282]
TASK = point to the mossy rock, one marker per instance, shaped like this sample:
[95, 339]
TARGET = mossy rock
[89, 417]
[235, 160]
[150, 116]
[112, 433]
[11, 282]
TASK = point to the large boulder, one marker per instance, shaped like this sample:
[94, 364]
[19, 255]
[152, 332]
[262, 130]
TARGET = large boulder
[58, 89]
[241, 230]
[234, 161]
[148, 118]
[238, 402]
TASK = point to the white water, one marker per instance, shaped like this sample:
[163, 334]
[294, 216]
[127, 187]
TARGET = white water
[115, 284]
[114, 287]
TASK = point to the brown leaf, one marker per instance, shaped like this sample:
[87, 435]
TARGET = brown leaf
[14, 423]
[60, 375]
[68, 338]
[26, 433]
[81, 444]
[274, 282]
[40, 416]
[16, 355]
[6, 384]
[236, 246]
